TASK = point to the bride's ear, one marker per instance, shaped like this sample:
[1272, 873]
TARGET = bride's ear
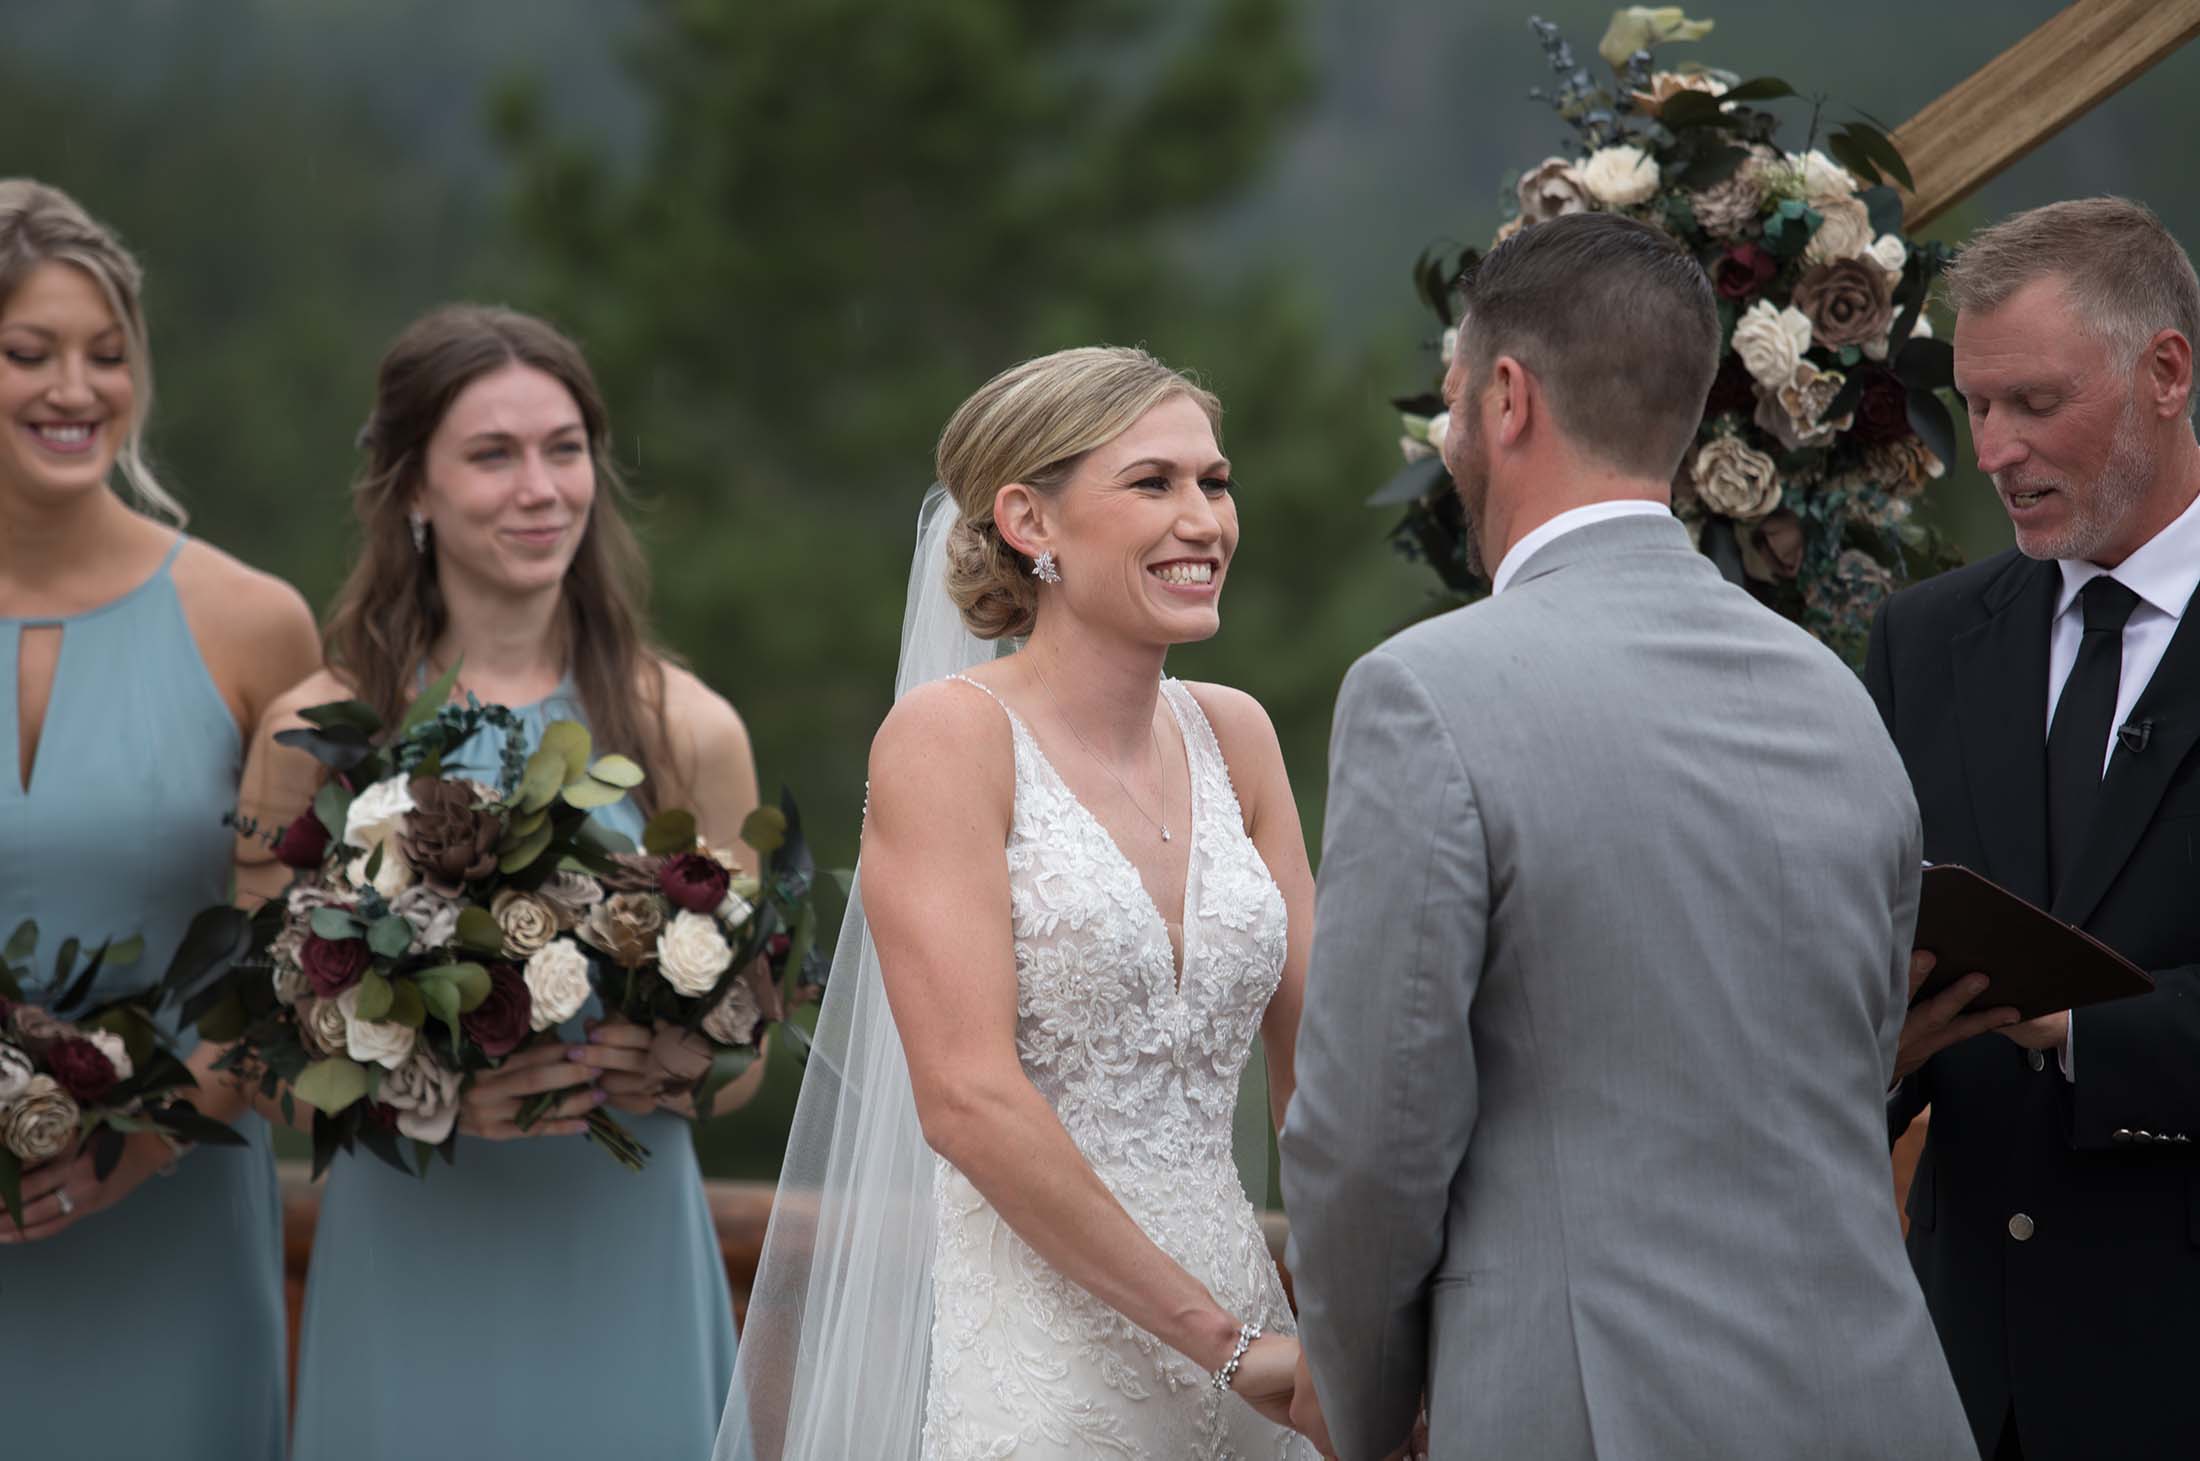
[1019, 514]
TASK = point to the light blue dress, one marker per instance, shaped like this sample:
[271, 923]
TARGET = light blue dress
[535, 1302]
[154, 1328]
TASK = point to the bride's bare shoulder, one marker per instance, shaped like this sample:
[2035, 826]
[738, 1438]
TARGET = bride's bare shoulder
[951, 722]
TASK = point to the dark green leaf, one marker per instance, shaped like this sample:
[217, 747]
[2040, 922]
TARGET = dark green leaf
[1762, 88]
[469, 984]
[1411, 483]
[356, 714]
[1686, 109]
[432, 699]
[765, 829]
[1852, 156]
[1926, 365]
[226, 1020]
[216, 936]
[331, 1085]
[726, 1065]
[186, 1123]
[1930, 420]
[670, 831]
[64, 962]
[335, 924]
[74, 996]
[1844, 400]
[520, 856]
[1880, 148]
[1710, 167]
[1885, 206]
[11, 1185]
[440, 998]
[339, 748]
[390, 936]
[407, 1008]
[327, 1139]
[332, 804]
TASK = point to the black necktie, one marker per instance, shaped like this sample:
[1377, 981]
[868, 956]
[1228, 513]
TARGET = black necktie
[2077, 740]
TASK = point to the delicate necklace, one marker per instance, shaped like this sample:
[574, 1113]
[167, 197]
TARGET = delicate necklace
[1160, 826]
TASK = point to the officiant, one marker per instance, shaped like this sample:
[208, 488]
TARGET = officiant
[2046, 703]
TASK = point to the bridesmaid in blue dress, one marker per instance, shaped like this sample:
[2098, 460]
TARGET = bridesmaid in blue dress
[536, 1301]
[141, 1317]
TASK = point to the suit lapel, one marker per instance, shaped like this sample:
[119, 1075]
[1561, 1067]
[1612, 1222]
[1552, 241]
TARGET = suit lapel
[2135, 782]
[2000, 675]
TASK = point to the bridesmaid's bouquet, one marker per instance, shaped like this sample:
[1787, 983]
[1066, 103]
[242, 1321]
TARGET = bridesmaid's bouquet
[74, 1075]
[436, 926]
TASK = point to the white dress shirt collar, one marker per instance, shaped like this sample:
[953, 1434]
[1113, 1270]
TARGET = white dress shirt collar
[2164, 570]
[1576, 517]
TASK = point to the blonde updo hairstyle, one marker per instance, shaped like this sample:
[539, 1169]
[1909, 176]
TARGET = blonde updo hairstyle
[1033, 423]
[43, 225]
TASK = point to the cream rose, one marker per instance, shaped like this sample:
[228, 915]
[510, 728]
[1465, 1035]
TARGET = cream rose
[1771, 341]
[1844, 232]
[1554, 189]
[1620, 177]
[15, 1073]
[733, 1020]
[1889, 253]
[570, 896]
[1813, 177]
[434, 918]
[1450, 347]
[41, 1123]
[391, 877]
[557, 983]
[323, 1028]
[1735, 479]
[1439, 427]
[425, 1095]
[377, 813]
[383, 1042]
[692, 953]
[527, 921]
[118, 1054]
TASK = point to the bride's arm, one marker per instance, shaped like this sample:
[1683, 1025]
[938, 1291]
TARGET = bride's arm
[935, 888]
[1249, 746]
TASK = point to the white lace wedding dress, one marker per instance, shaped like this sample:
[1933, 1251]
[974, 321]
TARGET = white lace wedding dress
[1143, 1068]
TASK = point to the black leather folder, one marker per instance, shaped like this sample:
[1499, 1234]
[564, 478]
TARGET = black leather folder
[2037, 962]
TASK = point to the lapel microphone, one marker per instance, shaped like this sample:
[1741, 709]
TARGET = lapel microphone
[2134, 735]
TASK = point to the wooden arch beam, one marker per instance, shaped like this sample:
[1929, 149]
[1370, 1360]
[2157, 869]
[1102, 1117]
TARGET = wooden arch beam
[2031, 91]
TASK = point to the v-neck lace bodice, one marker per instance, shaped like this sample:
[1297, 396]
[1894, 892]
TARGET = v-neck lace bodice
[1143, 1069]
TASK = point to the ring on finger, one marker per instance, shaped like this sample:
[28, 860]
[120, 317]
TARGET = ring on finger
[66, 1203]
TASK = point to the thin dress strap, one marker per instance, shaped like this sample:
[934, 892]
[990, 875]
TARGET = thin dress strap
[997, 700]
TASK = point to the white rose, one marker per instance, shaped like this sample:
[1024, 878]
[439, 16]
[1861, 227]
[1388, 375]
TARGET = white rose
[1439, 427]
[15, 1073]
[377, 813]
[425, 1095]
[322, 1026]
[1735, 479]
[1450, 346]
[1813, 177]
[118, 1054]
[557, 982]
[1771, 340]
[692, 953]
[1844, 232]
[434, 918]
[1889, 253]
[1620, 177]
[384, 1042]
[736, 910]
[1923, 329]
[1552, 190]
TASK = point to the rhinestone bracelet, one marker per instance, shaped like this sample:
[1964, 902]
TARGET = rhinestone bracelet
[1247, 1333]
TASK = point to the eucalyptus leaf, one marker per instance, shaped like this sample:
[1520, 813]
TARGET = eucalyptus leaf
[518, 858]
[375, 996]
[570, 740]
[431, 700]
[22, 943]
[440, 998]
[617, 771]
[524, 823]
[765, 829]
[543, 779]
[589, 793]
[478, 929]
[670, 831]
[335, 924]
[407, 1008]
[391, 936]
[331, 1085]
[332, 804]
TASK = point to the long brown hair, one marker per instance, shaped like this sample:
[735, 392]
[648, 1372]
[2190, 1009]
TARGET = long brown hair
[390, 611]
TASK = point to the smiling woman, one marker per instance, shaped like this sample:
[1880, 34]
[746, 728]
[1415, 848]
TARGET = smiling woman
[130, 658]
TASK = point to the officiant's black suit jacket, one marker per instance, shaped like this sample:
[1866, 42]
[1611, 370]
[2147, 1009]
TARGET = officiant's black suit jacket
[2055, 1225]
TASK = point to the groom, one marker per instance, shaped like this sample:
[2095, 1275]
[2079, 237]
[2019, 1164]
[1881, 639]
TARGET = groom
[1588, 1147]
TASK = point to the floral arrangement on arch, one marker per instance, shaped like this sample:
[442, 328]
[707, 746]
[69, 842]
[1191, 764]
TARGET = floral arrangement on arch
[1825, 422]
[75, 1076]
[436, 926]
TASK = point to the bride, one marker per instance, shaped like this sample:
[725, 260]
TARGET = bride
[1010, 1224]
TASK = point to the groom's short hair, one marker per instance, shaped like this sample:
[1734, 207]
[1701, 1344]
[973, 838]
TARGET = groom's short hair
[1618, 323]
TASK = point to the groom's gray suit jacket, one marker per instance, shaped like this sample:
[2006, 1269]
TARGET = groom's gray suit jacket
[1589, 1139]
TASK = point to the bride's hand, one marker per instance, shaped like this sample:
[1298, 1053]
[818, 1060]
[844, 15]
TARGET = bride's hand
[1267, 1376]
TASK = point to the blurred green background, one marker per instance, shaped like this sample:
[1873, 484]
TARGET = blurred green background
[793, 234]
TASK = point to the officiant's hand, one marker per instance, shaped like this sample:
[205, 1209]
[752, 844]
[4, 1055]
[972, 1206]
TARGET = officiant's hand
[2045, 1033]
[1943, 1020]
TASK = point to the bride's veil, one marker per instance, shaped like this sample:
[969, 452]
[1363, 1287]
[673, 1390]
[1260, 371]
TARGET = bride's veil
[833, 1357]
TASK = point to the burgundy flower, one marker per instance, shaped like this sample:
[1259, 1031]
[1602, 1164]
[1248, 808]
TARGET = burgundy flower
[82, 1069]
[382, 1114]
[303, 843]
[333, 965]
[1883, 414]
[499, 1024]
[777, 945]
[1743, 270]
[694, 881]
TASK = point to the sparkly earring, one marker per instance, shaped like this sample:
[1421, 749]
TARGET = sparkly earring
[418, 522]
[1043, 569]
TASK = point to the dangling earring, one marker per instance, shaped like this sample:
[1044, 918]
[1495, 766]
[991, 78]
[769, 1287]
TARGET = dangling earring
[418, 522]
[1043, 569]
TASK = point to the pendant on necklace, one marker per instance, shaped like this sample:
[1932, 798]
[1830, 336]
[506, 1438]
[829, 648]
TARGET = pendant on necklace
[1164, 834]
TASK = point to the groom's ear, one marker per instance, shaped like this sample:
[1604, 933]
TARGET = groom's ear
[1019, 516]
[1515, 398]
